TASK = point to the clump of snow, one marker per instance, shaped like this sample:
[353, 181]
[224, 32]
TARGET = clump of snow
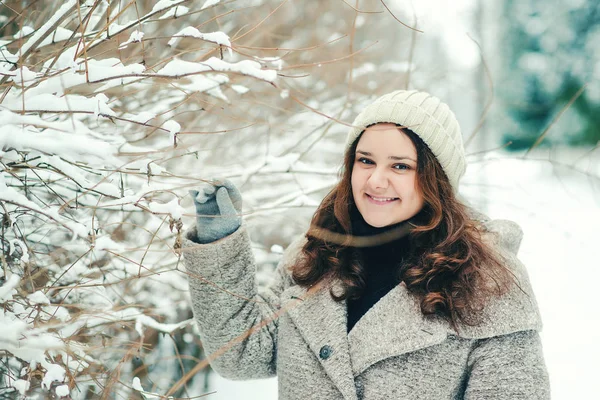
[137, 385]
[210, 3]
[110, 67]
[62, 390]
[276, 61]
[54, 373]
[107, 188]
[114, 29]
[38, 297]
[144, 320]
[43, 31]
[48, 102]
[207, 83]
[21, 385]
[11, 328]
[219, 38]
[276, 249]
[66, 168]
[173, 208]
[58, 312]
[57, 138]
[136, 36]
[175, 12]
[106, 243]
[178, 68]
[164, 4]
[23, 75]
[8, 289]
[7, 60]
[174, 128]
[25, 31]
[240, 89]
[58, 35]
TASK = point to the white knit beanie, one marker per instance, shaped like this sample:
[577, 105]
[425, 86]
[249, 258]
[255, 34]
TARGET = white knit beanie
[425, 115]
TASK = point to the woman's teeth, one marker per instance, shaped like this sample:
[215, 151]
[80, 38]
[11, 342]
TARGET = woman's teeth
[382, 199]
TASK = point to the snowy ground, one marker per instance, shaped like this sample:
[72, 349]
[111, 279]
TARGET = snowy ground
[559, 211]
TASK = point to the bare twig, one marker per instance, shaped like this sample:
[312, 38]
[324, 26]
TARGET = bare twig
[555, 119]
[396, 18]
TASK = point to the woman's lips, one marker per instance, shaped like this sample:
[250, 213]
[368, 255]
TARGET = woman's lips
[378, 202]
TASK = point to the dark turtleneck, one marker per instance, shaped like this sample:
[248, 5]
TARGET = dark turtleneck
[381, 264]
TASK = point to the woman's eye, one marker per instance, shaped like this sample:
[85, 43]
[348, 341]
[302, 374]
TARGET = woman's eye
[364, 160]
[402, 166]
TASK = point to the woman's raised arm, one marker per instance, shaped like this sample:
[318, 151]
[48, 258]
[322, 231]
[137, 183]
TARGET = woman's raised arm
[237, 323]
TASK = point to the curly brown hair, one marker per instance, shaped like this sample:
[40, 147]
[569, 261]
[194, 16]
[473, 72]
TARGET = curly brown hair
[450, 267]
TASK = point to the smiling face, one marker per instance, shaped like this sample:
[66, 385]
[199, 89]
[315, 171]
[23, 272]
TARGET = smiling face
[384, 176]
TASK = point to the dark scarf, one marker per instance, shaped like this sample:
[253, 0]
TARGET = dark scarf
[391, 252]
[381, 263]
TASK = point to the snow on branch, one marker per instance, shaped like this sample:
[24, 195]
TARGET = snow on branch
[175, 12]
[162, 5]
[219, 38]
[136, 36]
[40, 34]
[210, 3]
[179, 68]
[47, 103]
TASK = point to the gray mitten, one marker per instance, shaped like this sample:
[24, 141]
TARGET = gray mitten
[217, 211]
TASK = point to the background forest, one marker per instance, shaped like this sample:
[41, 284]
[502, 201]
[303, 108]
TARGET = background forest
[110, 111]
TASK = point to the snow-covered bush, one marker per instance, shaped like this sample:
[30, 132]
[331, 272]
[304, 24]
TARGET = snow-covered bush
[93, 113]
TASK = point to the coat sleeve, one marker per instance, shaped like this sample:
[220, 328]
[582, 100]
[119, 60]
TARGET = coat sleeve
[237, 322]
[509, 367]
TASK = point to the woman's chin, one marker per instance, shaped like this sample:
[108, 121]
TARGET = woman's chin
[378, 222]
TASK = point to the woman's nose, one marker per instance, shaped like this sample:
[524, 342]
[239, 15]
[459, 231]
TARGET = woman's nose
[378, 179]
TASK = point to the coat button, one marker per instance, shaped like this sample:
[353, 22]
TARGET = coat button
[325, 352]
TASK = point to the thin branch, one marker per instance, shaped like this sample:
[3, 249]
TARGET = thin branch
[392, 14]
[236, 38]
[329, 61]
[361, 11]
[555, 119]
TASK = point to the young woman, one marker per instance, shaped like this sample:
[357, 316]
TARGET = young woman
[397, 290]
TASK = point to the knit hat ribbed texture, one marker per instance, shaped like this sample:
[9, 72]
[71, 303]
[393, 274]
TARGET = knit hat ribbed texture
[428, 117]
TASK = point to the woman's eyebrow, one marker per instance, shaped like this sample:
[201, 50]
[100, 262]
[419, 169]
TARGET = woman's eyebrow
[397, 158]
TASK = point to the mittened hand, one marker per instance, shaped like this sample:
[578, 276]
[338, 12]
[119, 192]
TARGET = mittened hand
[217, 211]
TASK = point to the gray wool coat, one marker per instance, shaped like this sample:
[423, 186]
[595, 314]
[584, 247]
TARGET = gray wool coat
[393, 352]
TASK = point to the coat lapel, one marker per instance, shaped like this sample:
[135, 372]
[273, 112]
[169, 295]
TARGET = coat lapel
[322, 322]
[393, 326]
